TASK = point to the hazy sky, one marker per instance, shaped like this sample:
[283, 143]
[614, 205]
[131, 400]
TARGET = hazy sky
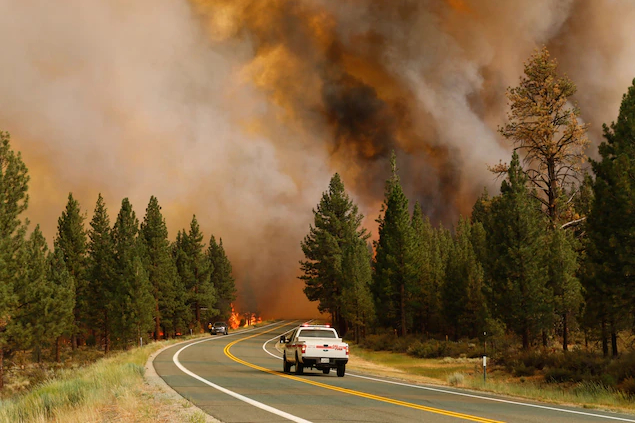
[240, 111]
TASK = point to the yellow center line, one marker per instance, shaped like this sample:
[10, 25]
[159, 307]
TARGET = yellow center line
[349, 391]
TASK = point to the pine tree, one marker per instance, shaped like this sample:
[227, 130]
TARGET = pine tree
[516, 242]
[23, 329]
[14, 200]
[133, 302]
[562, 265]
[464, 305]
[159, 263]
[356, 301]
[101, 273]
[71, 239]
[611, 225]
[221, 277]
[395, 256]
[193, 268]
[544, 127]
[424, 292]
[58, 314]
[337, 223]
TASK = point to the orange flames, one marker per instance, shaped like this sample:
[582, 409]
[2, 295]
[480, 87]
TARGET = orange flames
[238, 319]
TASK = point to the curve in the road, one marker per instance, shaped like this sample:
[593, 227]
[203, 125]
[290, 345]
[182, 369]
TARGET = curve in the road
[445, 391]
[350, 391]
[248, 400]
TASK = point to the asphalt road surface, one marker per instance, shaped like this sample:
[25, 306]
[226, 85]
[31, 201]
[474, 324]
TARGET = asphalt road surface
[238, 378]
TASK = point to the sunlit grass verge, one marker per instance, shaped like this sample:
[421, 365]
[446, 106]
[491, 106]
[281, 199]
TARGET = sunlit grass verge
[111, 389]
[445, 371]
[583, 394]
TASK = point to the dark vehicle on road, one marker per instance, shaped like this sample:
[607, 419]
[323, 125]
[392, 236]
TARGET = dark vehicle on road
[219, 327]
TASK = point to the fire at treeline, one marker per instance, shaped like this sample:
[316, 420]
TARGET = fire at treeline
[548, 262]
[102, 285]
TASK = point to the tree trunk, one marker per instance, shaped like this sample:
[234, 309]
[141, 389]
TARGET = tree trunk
[1, 368]
[525, 338]
[544, 339]
[403, 309]
[613, 342]
[565, 337]
[157, 327]
[605, 342]
[106, 335]
[552, 191]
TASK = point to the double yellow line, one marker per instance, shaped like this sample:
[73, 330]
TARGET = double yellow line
[349, 391]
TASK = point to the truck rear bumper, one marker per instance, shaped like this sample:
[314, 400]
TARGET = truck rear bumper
[316, 362]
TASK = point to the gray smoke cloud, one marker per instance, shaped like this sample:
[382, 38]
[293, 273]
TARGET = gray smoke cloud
[241, 111]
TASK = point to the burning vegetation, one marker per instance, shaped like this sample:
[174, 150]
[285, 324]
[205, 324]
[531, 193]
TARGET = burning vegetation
[238, 319]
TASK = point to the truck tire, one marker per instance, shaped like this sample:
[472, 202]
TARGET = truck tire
[299, 367]
[341, 370]
[326, 371]
[286, 366]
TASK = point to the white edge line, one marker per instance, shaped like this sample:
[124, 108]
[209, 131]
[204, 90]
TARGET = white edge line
[471, 395]
[243, 398]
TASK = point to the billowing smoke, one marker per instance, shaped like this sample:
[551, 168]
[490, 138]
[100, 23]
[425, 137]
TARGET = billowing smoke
[239, 111]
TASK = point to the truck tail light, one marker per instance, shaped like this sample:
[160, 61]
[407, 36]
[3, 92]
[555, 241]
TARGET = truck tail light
[304, 349]
[346, 349]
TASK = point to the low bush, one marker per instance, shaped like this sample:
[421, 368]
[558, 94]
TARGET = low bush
[456, 379]
[627, 386]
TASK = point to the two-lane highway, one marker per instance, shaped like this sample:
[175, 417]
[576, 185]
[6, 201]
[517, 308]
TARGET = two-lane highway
[239, 378]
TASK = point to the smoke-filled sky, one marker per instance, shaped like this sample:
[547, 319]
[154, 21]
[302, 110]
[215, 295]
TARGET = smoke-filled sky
[240, 111]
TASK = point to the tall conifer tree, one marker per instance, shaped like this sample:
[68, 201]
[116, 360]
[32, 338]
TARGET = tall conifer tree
[464, 305]
[133, 303]
[337, 223]
[101, 272]
[424, 292]
[516, 241]
[159, 263]
[221, 277]
[28, 328]
[611, 225]
[71, 240]
[59, 315]
[14, 200]
[194, 270]
[394, 264]
[356, 301]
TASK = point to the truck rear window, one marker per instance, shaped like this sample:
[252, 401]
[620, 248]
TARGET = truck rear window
[316, 333]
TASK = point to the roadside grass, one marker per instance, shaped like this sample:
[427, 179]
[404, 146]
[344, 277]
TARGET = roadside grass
[439, 369]
[108, 389]
[467, 373]
[111, 389]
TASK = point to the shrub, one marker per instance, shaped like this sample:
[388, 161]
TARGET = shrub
[559, 375]
[522, 370]
[456, 379]
[627, 386]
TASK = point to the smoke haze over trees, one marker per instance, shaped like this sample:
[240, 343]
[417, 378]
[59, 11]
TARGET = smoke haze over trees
[243, 110]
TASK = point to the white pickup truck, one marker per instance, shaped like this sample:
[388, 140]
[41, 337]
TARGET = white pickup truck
[314, 346]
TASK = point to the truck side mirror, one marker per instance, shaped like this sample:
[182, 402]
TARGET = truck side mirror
[283, 339]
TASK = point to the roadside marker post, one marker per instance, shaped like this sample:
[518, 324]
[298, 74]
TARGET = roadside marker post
[484, 369]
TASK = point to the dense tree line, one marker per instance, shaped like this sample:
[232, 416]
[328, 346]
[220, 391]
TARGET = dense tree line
[554, 252]
[106, 285]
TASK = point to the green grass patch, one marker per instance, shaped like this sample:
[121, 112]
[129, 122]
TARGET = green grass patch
[435, 368]
[109, 389]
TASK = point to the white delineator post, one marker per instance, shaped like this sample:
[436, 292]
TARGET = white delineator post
[484, 368]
